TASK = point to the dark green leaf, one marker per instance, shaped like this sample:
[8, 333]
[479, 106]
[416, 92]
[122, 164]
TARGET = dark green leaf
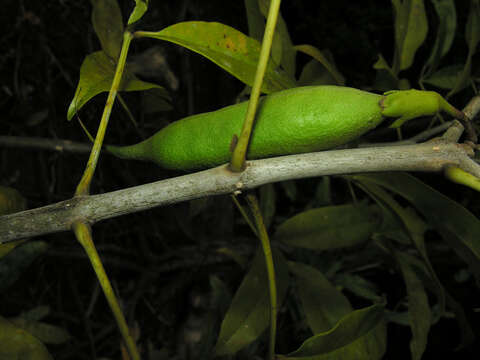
[472, 35]
[411, 28]
[416, 229]
[96, 76]
[323, 304]
[46, 333]
[341, 342]
[447, 23]
[322, 59]
[314, 73]
[108, 25]
[249, 315]
[255, 19]
[419, 314]
[17, 344]
[14, 263]
[228, 48]
[453, 221]
[330, 227]
[446, 77]
[358, 286]
[11, 201]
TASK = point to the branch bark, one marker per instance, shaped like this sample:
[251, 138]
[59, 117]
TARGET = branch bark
[431, 156]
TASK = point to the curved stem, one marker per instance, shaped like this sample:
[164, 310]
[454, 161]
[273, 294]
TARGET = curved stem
[84, 236]
[267, 251]
[237, 163]
[459, 176]
[83, 188]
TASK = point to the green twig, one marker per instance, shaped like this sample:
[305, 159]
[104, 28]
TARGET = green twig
[83, 187]
[84, 237]
[459, 176]
[267, 251]
[247, 218]
[237, 163]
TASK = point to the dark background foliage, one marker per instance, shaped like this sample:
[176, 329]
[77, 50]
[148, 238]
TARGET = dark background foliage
[160, 261]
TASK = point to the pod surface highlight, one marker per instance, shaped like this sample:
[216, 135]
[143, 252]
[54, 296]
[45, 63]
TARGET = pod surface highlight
[298, 120]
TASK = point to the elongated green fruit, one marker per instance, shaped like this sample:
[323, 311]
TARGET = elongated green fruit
[292, 121]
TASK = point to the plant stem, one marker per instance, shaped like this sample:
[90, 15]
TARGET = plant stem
[237, 163]
[83, 188]
[267, 251]
[84, 236]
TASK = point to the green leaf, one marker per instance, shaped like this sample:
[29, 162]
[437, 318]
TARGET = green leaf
[140, 7]
[13, 264]
[445, 78]
[248, 315]
[447, 24]
[466, 332]
[411, 29]
[322, 59]
[416, 229]
[96, 76]
[108, 25]
[359, 286]
[17, 344]
[11, 201]
[453, 222]
[46, 333]
[314, 73]
[341, 342]
[330, 227]
[385, 78]
[230, 49]
[323, 304]
[255, 19]
[419, 314]
[472, 35]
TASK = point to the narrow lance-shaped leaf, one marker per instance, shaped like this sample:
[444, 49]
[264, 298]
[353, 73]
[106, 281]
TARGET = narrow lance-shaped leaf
[416, 229]
[411, 28]
[140, 8]
[19, 344]
[227, 47]
[472, 35]
[330, 227]
[447, 23]
[419, 313]
[248, 315]
[446, 77]
[322, 59]
[323, 303]
[108, 25]
[453, 221]
[354, 326]
[96, 76]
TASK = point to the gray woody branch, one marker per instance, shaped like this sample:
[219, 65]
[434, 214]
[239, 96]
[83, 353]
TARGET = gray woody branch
[430, 156]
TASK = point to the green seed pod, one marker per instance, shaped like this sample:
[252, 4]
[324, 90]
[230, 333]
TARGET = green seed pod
[299, 120]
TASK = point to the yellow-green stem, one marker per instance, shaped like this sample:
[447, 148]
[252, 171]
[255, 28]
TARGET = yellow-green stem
[237, 163]
[84, 236]
[267, 251]
[462, 177]
[245, 215]
[83, 187]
